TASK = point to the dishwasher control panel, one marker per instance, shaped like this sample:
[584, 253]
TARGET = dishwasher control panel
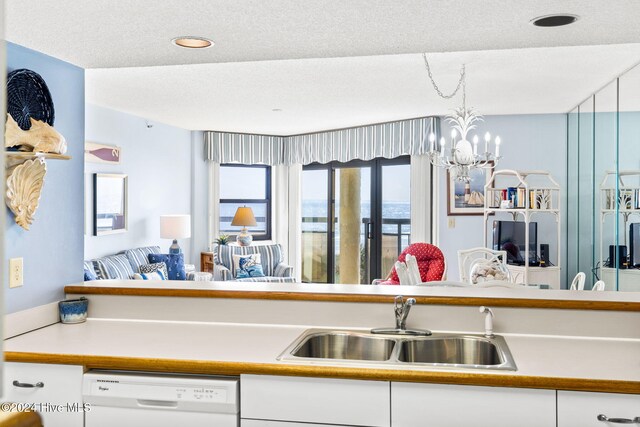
[146, 390]
[130, 389]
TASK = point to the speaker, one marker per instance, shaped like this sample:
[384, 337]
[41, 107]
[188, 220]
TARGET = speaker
[544, 255]
[620, 256]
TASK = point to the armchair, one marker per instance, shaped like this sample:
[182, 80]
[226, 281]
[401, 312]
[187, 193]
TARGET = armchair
[270, 258]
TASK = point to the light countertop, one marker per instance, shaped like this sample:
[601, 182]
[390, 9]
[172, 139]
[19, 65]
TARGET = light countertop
[543, 361]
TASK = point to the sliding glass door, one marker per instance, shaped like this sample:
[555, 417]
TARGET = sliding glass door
[355, 219]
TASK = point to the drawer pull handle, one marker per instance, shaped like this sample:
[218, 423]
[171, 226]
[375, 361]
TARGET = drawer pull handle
[17, 383]
[604, 418]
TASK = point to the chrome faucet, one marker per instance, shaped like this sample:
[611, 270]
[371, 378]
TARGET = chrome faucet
[401, 309]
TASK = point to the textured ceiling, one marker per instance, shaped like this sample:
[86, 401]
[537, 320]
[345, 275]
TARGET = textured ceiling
[319, 94]
[328, 64]
[108, 33]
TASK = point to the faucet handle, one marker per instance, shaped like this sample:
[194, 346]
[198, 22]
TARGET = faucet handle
[398, 304]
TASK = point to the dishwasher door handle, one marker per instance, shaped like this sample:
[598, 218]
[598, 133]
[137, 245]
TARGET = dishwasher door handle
[146, 403]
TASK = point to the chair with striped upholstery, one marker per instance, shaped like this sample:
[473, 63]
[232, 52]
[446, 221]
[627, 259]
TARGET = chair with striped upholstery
[113, 267]
[140, 256]
[271, 258]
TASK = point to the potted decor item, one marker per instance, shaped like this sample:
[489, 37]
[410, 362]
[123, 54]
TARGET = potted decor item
[223, 239]
[73, 310]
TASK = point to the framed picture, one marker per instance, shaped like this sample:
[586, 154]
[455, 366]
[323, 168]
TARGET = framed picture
[109, 203]
[101, 153]
[467, 198]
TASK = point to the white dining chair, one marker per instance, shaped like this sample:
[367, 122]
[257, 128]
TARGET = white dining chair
[578, 282]
[599, 286]
[467, 258]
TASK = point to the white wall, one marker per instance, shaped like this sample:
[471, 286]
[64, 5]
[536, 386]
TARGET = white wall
[530, 142]
[158, 162]
[200, 185]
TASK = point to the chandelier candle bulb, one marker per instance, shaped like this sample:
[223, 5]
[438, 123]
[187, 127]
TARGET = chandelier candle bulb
[475, 145]
[442, 143]
[432, 140]
[498, 141]
[487, 138]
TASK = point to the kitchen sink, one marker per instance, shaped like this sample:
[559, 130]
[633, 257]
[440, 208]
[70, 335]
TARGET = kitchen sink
[344, 345]
[465, 350]
[460, 351]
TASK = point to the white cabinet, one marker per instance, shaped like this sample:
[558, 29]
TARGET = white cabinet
[581, 409]
[438, 405]
[57, 396]
[314, 400]
[537, 275]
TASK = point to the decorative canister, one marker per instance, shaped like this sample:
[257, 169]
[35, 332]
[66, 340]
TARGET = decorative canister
[73, 310]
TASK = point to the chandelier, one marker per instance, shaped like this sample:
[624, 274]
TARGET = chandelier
[461, 156]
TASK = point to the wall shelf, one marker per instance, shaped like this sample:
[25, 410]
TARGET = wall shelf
[27, 155]
[25, 173]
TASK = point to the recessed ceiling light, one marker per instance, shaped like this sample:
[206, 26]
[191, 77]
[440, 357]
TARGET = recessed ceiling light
[276, 110]
[556, 20]
[191, 42]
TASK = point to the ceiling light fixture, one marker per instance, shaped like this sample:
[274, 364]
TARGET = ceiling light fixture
[555, 20]
[463, 157]
[192, 42]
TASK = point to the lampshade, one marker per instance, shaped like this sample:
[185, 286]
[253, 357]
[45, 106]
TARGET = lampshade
[244, 217]
[175, 226]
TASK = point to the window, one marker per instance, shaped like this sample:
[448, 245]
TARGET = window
[250, 186]
[356, 219]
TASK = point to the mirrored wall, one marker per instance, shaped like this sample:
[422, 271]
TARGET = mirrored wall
[603, 186]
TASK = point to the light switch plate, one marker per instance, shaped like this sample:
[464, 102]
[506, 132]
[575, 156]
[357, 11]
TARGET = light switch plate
[452, 223]
[15, 272]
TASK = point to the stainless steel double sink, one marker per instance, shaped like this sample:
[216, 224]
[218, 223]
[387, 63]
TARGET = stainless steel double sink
[438, 350]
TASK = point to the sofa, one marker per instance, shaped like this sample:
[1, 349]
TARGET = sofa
[124, 265]
[271, 260]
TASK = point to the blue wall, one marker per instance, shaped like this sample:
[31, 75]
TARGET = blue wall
[53, 248]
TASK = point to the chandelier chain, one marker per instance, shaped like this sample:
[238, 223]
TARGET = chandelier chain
[461, 83]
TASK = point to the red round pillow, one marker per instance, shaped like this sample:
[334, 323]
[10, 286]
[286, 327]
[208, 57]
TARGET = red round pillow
[431, 263]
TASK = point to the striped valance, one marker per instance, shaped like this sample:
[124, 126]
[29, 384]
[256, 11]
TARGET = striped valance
[243, 148]
[388, 140]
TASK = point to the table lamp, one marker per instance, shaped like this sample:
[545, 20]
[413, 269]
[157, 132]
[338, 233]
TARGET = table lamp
[175, 227]
[244, 218]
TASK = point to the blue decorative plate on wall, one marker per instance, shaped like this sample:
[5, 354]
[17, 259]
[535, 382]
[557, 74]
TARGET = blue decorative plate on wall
[28, 97]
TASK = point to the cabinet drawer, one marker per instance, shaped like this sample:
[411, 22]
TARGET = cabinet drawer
[62, 385]
[580, 409]
[315, 400]
[437, 405]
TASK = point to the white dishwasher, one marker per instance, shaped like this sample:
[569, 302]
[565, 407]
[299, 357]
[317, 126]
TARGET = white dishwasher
[126, 399]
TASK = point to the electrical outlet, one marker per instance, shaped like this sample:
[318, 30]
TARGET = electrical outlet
[452, 223]
[15, 272]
